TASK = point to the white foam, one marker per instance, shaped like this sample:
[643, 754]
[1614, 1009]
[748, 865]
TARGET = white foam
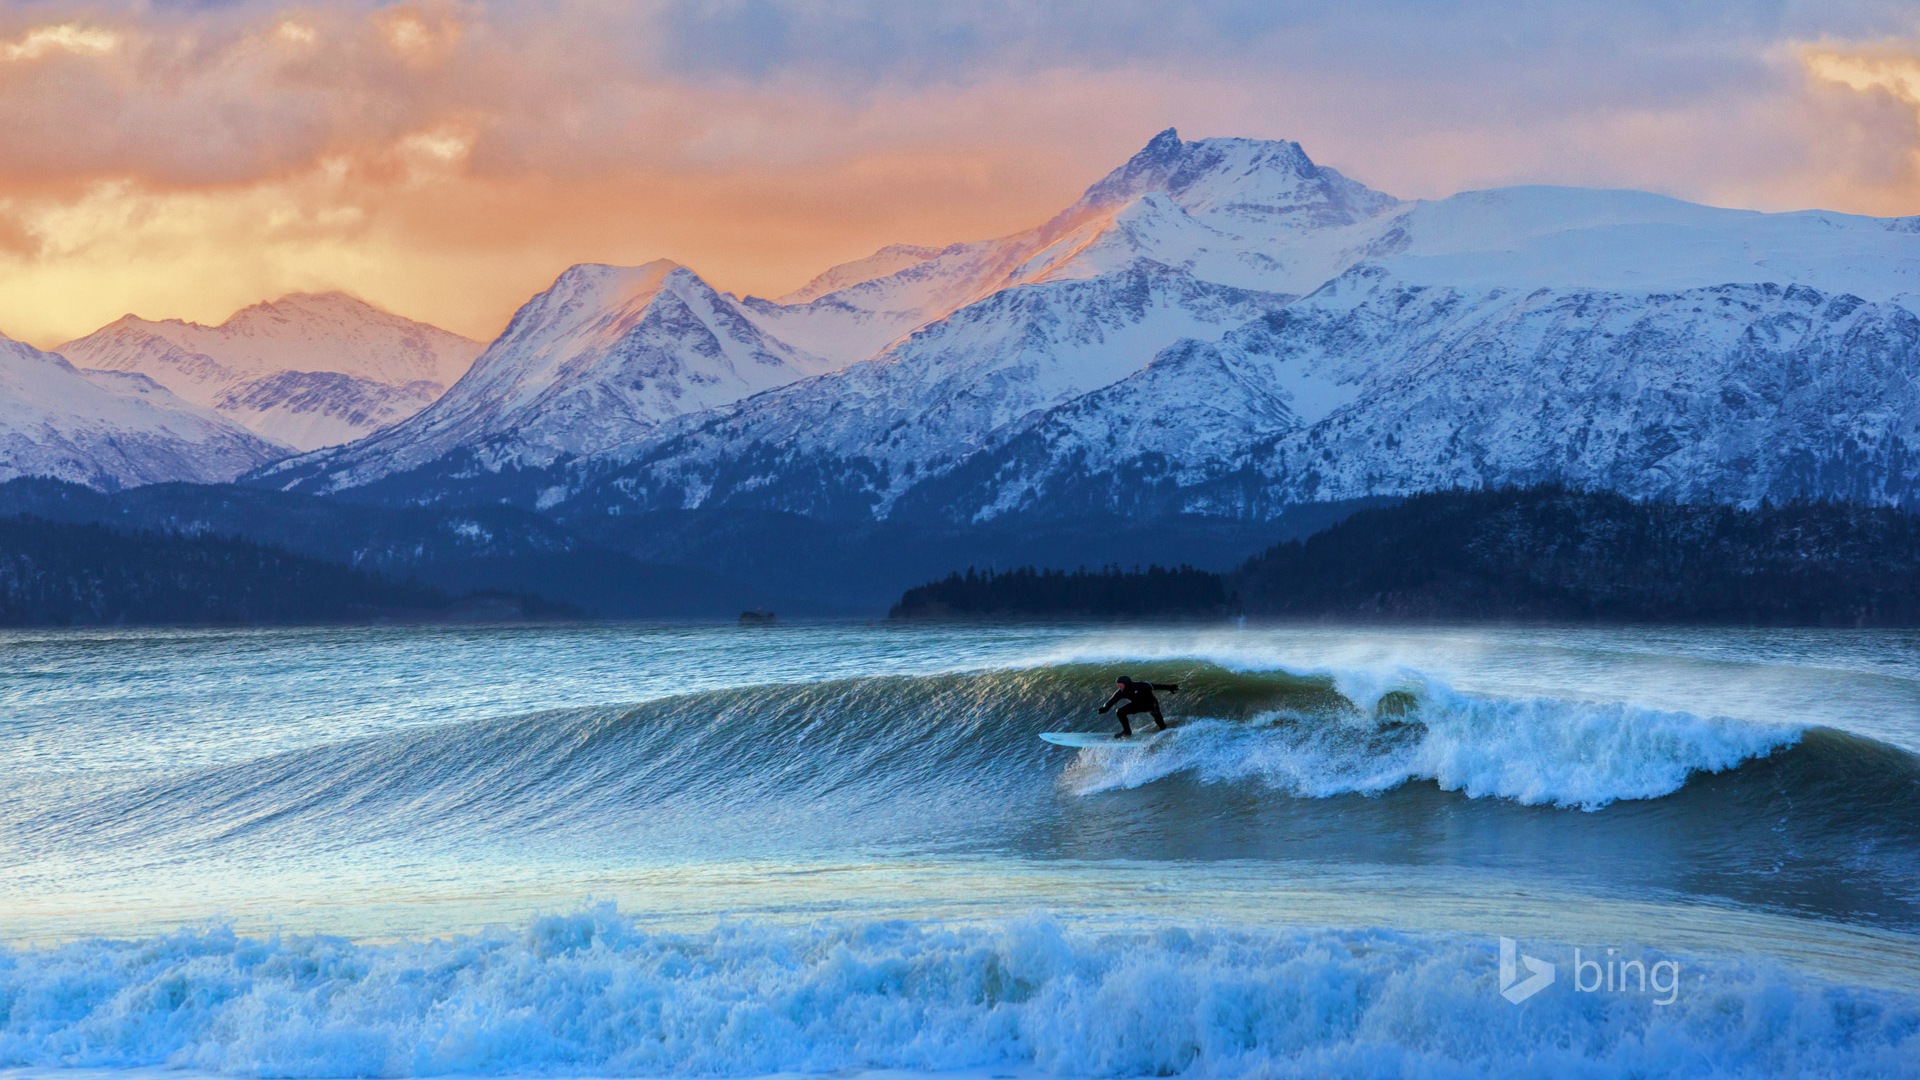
[595, 994]
[1534, 750]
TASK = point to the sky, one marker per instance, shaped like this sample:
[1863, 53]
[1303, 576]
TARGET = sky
[447, 159]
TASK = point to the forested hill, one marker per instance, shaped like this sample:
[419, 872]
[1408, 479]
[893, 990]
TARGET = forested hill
[1553, 554]
[60, 574]
[1030, 593]
[1535, 554]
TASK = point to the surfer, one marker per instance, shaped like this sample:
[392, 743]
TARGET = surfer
[1138, 698]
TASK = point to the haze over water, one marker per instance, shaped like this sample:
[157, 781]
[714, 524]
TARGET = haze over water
[646, 850]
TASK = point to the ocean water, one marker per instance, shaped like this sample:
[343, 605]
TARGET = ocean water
[709, 851]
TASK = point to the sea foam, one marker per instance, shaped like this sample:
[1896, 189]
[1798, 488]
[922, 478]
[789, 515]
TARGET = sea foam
[597, 993]
[1529, 750]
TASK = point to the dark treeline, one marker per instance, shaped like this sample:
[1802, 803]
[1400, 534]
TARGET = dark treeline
[1533, 554]
[678, 565]
[1542, 554]
[457, 550]
[62, 574]
[1552, 554]
[1111, 592]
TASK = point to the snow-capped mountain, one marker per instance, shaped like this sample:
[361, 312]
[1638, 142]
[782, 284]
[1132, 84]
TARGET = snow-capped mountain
[1173, 437]
[1218, 208]
[973, 334]
[864, 435]
[1225, 327]
[307, 370]
[1728, 393]
[1374, 386]
[600, 358]
[111, 429]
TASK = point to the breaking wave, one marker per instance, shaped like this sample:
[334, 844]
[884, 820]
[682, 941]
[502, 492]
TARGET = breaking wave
[1263, 764]
[848, 739]
[1532, 751]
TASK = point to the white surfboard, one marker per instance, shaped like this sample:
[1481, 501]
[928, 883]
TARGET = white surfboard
[1100, 740]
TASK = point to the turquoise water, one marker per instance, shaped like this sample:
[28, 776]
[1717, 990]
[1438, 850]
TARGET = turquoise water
[709, 851]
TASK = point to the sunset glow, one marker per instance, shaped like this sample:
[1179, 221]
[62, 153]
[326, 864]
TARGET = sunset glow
[445, 160]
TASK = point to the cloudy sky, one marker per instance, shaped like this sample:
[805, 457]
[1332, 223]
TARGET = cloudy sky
[447, 159]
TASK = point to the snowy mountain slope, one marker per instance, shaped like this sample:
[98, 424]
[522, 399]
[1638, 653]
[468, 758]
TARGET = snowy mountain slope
[601, 357]
[1511, 237]
[1181, 422]
[1154, 441]
[1733, 393]
[311, 409]
[298, 332]
[1262, 215]
[1216, 208]
[1635, 242]
[307, 370]
[863, 319]
[1375, 386]
[813, 319]
[859, 437]
[1225, 210]
[114, 430]
[887, 261]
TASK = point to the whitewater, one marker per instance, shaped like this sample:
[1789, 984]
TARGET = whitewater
[840, 848]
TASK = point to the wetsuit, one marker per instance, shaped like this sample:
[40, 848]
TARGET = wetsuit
[1138, 698]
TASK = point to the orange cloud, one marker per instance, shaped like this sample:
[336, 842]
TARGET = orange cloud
[1870, 128]
[446, 159]
[1885, 68]
[65, 38]
[441, 169]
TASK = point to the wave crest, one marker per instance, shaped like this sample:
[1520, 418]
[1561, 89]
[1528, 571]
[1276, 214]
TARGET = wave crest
[853, 762]
[1531, 750]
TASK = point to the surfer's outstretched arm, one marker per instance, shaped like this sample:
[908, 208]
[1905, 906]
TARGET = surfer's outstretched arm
[1117, 695]
[1171, 688]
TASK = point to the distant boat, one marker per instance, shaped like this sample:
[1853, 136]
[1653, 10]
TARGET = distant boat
[759, 617]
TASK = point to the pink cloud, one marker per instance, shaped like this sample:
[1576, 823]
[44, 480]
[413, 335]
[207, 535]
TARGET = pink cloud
[446, 159]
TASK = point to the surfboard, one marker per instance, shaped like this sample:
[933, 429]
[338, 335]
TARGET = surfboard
[1100, 740]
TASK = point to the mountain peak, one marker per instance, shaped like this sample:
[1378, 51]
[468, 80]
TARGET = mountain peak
[599, 274]
[1162, 147]
[333, 302]
[306, 369]
[1270, 180]
[330, 304]
[603, 285]
[1166, 164]
[302, 297]
[329, 298]
[599, 358]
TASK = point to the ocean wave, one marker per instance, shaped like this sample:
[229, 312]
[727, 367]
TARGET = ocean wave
[597, 993]
[826, 756]
[1533, 751]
